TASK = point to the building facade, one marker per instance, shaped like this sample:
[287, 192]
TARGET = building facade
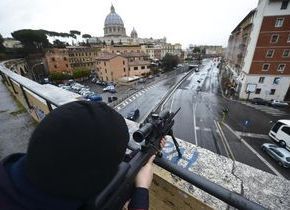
[57, 60]
[82, 57]
[261, 61]
[111, 67]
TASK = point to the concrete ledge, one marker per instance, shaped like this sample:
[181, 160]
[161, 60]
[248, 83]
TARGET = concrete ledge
[268, 190]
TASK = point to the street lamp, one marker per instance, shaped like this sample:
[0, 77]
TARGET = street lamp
[32, 69]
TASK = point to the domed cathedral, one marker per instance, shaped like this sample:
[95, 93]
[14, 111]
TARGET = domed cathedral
[114, 25]
[115, 32]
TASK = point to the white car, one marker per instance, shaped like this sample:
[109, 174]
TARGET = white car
[277, 103]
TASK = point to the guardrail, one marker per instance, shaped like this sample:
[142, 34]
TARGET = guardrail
[52, 99]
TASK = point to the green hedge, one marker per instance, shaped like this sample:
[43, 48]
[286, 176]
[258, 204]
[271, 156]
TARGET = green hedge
[81, 72]
[58, 76]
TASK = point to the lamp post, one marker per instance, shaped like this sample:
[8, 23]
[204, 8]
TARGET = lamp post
[32, 69]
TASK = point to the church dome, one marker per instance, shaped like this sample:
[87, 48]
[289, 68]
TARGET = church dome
[113, 18]
[114, 25]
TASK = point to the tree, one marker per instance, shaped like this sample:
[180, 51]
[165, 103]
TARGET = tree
[169, 61]
[104, 43]
[86, 36]
[112, 42]
[59, 44]
[32, 39]
[1, 43]
[75, 32]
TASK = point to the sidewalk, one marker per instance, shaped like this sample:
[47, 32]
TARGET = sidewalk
[16, 124]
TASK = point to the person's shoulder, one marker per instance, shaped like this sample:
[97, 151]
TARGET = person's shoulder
[7, 189]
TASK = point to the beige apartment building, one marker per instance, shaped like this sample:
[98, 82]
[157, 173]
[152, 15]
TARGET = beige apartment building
[114, 66]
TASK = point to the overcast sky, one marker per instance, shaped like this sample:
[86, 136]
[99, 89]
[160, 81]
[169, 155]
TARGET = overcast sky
[207, 22]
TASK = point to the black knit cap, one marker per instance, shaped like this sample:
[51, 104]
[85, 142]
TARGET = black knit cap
[75, 150]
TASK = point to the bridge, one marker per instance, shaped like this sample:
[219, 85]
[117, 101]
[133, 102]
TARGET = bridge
[24, 103]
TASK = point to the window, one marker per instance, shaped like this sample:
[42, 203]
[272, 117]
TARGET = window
[272, 91]
[124, 69]
[286, 130]
[123, 62]
[279, 22]
[53, 59]
[65, 58]
[281, 67]
[277, 126]
[258, 91]
[265, 67]
[55, 66]
[136, 68]
[276, 152]
[66, 65]
[274, 38]
[106, 70]
[142, 67]
[270, 53]
[286, 53]
[276, 80]
[104, 63]
[284, 4]
[261, 79]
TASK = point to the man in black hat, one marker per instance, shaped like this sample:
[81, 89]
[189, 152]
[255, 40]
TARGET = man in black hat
[72, 155]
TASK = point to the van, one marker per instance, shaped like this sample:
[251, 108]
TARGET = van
[280, 133]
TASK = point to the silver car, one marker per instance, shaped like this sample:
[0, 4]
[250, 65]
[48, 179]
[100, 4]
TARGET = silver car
[279, 154]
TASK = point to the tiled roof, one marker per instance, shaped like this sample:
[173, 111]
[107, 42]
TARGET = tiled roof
[138, 63]
[106, 56]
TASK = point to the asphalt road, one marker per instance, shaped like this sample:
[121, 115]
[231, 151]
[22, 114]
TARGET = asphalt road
[146, 99]
[200, 121]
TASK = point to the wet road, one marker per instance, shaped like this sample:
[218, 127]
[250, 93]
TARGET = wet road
[199, 121]
[146, 99]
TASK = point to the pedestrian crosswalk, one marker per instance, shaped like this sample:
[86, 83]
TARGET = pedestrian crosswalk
[269, 110]
[133, 97]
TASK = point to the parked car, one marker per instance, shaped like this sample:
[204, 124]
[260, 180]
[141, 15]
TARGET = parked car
[112, 98]
[280, 133]
[276, 103]
[133, 115]
[281, 155]
[94, 97]
[110, 89]
[142, 80]
[259, 101]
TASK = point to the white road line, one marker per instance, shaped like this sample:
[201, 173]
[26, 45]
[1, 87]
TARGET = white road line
[255, 152]
[225, 141]
[253, 135]
[194, 124]
[130, 99]
[133, 97]
[172, 100]
[203, 129]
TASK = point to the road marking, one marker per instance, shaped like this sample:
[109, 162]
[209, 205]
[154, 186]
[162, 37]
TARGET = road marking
[203, 129]
[254, 151]
[172, 100]
[225, 141]
[194, 124]
[253, 135]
